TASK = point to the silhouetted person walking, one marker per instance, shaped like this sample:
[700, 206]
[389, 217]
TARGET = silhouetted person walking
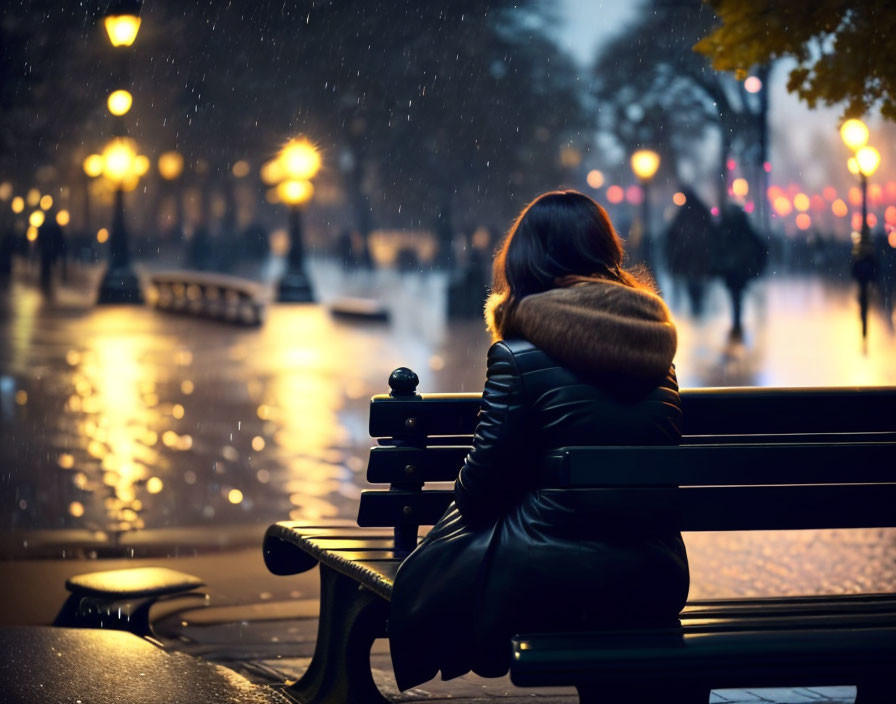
[688, 248]
[740, 256]
[50, 245]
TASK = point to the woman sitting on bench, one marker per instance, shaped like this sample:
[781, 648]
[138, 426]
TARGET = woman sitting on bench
[582, 356]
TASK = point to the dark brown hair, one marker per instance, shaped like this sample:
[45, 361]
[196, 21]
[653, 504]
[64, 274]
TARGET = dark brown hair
[561, 238]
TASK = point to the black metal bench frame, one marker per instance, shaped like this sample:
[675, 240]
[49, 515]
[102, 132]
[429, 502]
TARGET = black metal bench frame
[833, 451]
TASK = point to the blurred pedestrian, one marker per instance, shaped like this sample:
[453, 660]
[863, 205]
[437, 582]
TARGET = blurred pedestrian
[688, 248]
[51, 248]
[582, 356]
[739, 257]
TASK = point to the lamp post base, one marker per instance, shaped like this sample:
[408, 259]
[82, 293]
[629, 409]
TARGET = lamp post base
[120, 286]
[295, 287]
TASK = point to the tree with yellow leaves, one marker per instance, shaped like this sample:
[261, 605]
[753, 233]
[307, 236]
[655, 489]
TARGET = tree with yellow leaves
[843, 48]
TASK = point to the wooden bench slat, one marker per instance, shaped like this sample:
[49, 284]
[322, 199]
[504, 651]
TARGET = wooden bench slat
[741, 464]
[705, 463]
[816, 604]
[389, 465]
[706, 411]
[397, 508]
[701, 508]
[758, 658]
[744, 507]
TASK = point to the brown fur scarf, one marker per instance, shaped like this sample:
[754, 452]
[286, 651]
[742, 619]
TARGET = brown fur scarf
[600, 327]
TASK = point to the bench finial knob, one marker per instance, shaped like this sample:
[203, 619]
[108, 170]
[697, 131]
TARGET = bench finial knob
[403, 382]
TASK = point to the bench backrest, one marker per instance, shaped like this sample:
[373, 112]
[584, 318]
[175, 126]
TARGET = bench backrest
[750, 459]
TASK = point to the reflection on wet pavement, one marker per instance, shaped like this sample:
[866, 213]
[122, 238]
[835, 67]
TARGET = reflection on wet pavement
[122, 419]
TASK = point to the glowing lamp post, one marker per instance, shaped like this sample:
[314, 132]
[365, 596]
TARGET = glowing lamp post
[122, 22]
[122, 166]
[292, 171]
[864, 163]
[645, 163]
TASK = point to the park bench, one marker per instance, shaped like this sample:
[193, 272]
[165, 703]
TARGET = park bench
[218, 296]
[750, 459]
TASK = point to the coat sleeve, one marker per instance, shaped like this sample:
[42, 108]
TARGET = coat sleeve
[493, 475]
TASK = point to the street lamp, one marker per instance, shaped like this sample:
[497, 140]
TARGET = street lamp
[119, 102]
[863, 163]
[122, 166]
[645, 163]
[122, 21]
[120, 163]
[292, 171]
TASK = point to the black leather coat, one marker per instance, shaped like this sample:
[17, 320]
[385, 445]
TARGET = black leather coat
[511, 555]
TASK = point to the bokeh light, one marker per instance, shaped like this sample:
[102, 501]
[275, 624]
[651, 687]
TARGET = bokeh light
[752, 84]
[46, 202]
[93, 165]
[679, 199]
[854, 134]
[119, 102]
[803, 221]
[740, 187]
[63, 217]
[595, 178]
[170, 164]
[18, 204]
[782, 206]
[36, 219]
[839, 208]
[801, 202]
[615, 194]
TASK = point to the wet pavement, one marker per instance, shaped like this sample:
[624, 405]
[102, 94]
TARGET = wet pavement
[123, 426]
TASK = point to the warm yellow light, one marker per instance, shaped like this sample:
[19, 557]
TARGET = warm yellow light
[102, 235]
[679, 199]
[839, 208]
[154, 485]
[595, 178]
[295, 192]
[18, 204]
[854, 134]
[63, 217]
[803, 221]
[119, 159]
[234, 496]
[76, 509]
[868, 159]
[141, 164]
[32, 197]
[171, 164]
[93, 165]
[46, 202]
[241, 169]
[122, 29]
[31, 233]
[5, 190]
[740, 187]
[853, 166]
[36, 219]
[645, 162]
[299, 159]
[801, 202]
[119, 102]
[782, 206]
[272, 172]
